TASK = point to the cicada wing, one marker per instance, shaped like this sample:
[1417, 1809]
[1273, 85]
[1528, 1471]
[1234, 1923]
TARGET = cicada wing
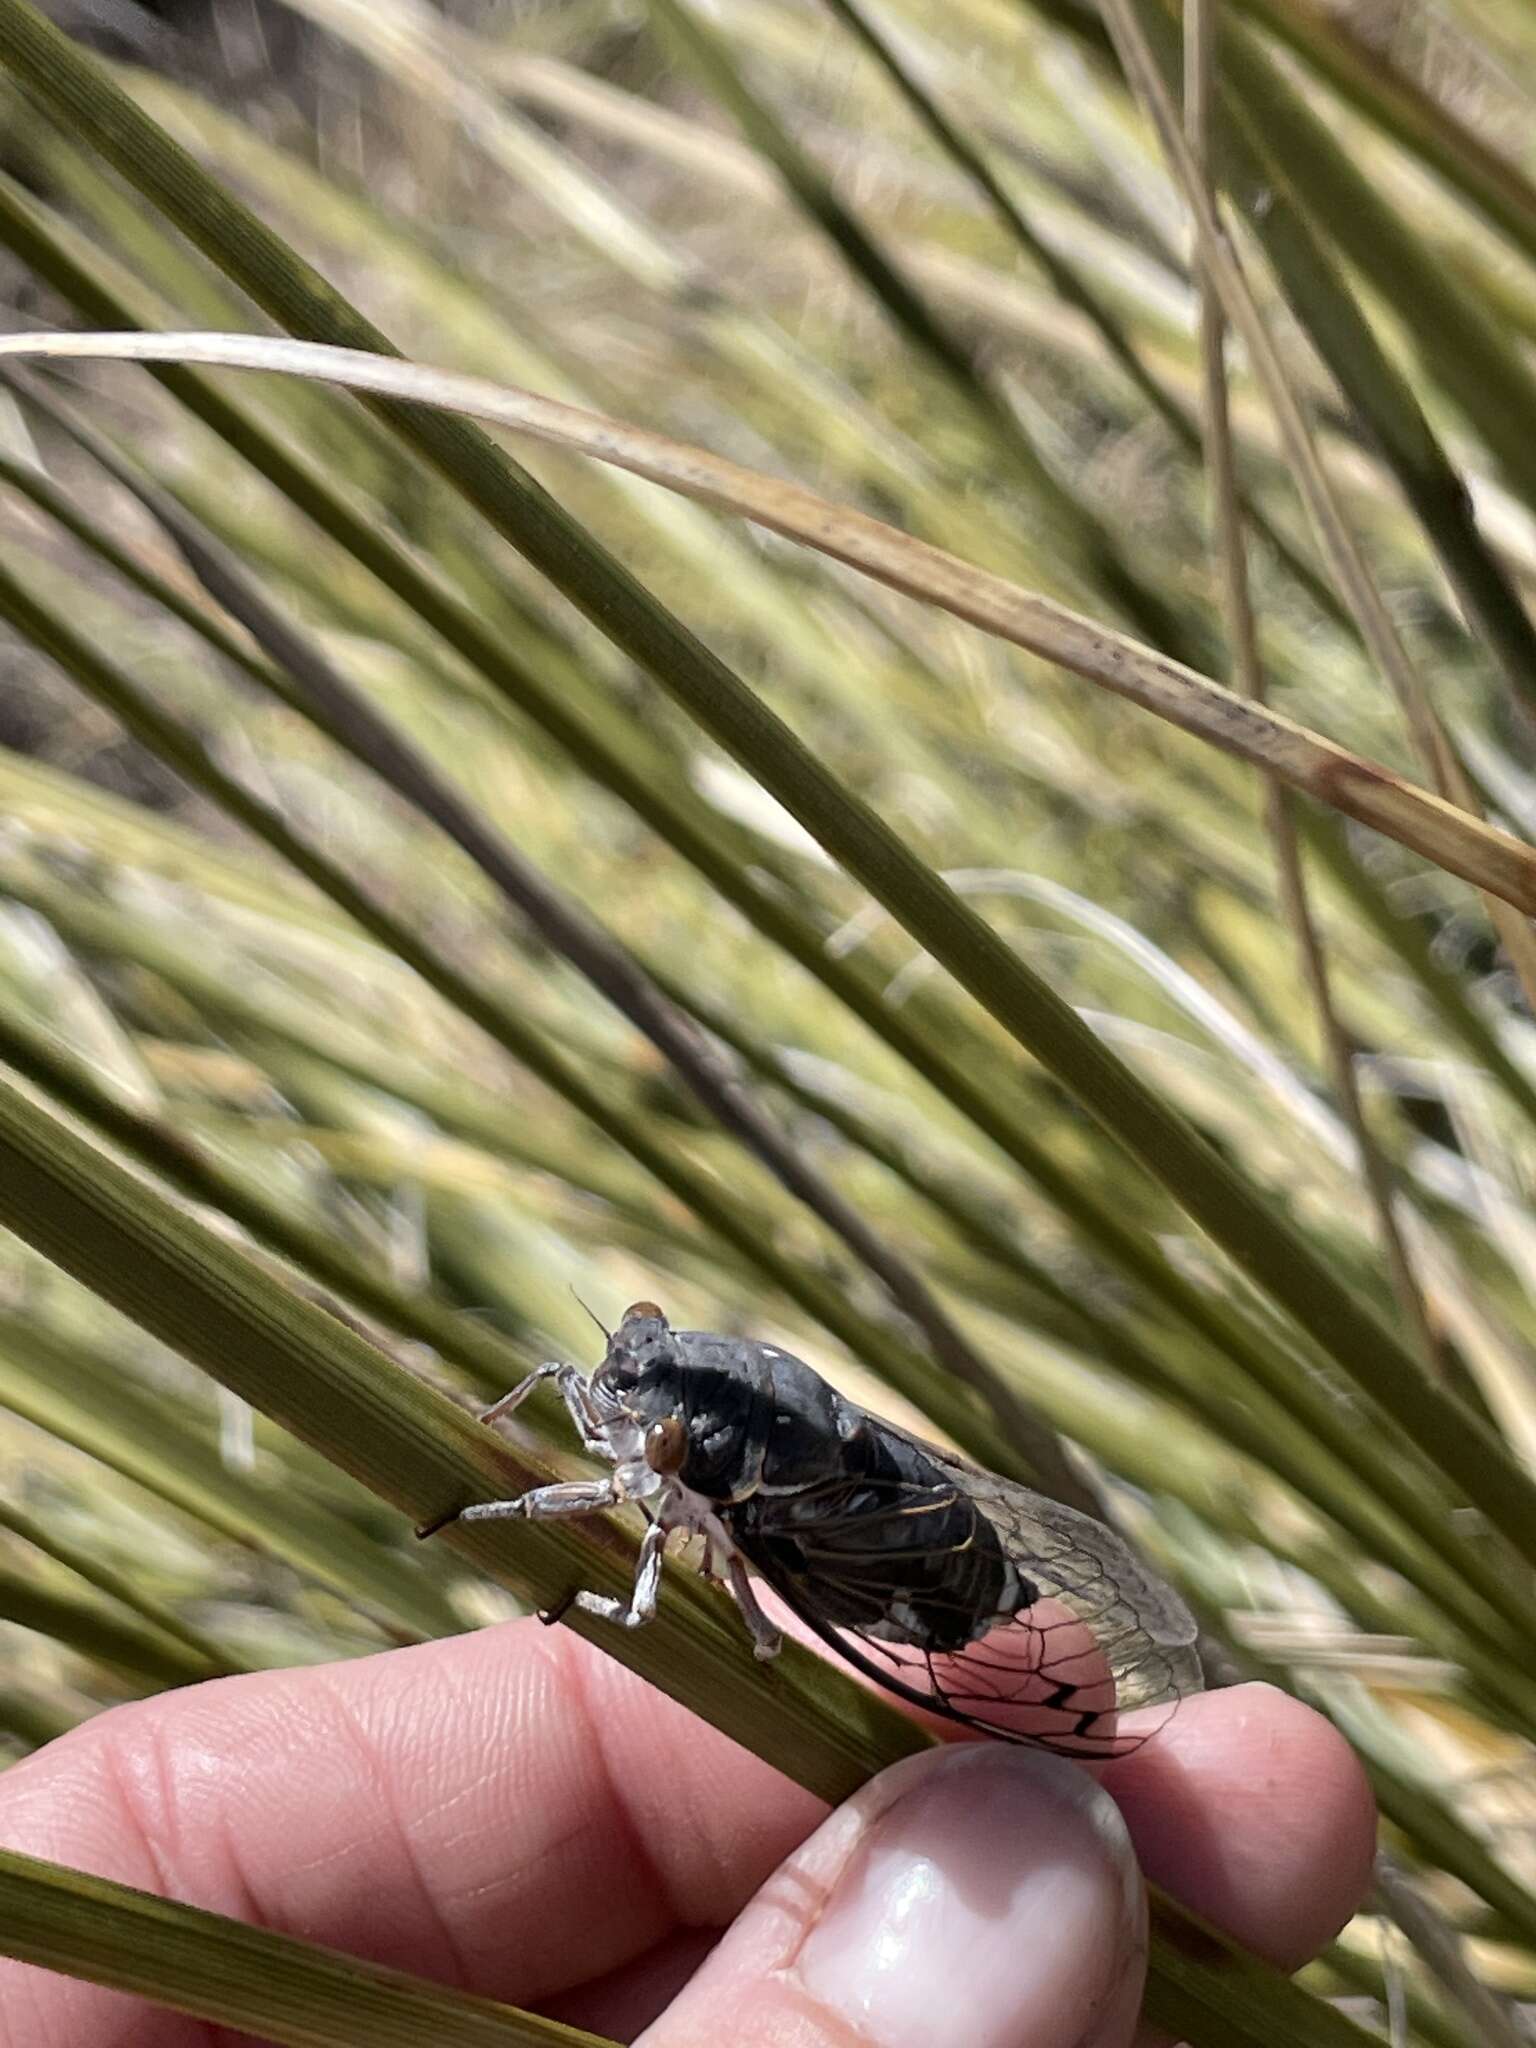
[1105, 1635]
[1142, 1628]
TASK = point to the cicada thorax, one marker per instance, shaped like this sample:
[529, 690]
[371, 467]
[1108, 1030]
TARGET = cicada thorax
[841, 1514]
[884, 1543]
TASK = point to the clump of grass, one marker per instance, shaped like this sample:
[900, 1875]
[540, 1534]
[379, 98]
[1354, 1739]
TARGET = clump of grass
[445, 871]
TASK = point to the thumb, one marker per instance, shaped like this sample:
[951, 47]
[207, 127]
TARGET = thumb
[978, 1894]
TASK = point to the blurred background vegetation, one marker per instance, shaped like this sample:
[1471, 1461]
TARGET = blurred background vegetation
[936, 264]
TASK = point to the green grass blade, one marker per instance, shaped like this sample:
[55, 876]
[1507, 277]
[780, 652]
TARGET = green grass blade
[81, 1400]
[1081, 535]
[1461, 343]
[1263, 132]
[1400, 107]
[215, 1658]
[92, 1630]
[233, 1975]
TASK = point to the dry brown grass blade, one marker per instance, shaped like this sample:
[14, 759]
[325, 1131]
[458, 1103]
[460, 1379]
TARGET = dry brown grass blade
[1230, 558]
[1337, 542]
[1363, 789]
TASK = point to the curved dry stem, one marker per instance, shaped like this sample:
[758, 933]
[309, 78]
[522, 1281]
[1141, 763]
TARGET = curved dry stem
[1363, 789]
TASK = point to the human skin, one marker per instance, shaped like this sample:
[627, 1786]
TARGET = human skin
[515, 1813]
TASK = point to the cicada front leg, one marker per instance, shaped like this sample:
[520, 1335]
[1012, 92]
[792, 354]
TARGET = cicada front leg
[572, 1386]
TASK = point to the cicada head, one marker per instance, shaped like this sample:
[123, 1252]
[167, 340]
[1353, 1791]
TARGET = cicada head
[640, 1378]
[693, 1405]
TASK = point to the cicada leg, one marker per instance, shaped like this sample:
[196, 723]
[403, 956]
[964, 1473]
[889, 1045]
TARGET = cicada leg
[766, 1639]
[589, 1427]
[641, 1604]
[572, 1386]
[543, 1503]
[591, 1497]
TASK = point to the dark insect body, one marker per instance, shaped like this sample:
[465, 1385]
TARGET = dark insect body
[965, 1593]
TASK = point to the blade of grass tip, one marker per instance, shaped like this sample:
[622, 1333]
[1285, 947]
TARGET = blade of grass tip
[1200, 61]
[1085, 541]
[887, 1354]
[1357, 584]
[204, 1298]
[1067, 282]
[1235, 1215]
[1492, 860]
[285, 1990]
[218, 1659]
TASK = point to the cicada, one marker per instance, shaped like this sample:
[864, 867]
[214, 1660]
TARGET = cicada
[966, 1594]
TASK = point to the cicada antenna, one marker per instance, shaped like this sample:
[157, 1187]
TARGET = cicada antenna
[607, 1333]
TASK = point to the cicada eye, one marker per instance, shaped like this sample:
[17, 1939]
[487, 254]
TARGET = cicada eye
[641, 1311]
[666, 1445]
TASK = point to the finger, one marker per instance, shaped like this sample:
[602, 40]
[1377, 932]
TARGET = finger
[1253, 1810]
[1247, 1807]
[979, 1894]
[510, 1811]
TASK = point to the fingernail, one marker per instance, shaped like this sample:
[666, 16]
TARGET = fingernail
[995, 1900]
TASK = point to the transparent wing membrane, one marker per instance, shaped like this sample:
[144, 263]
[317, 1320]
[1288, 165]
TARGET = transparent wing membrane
[1103, 1635]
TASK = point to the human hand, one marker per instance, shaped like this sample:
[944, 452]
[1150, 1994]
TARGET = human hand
[515, 1813]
